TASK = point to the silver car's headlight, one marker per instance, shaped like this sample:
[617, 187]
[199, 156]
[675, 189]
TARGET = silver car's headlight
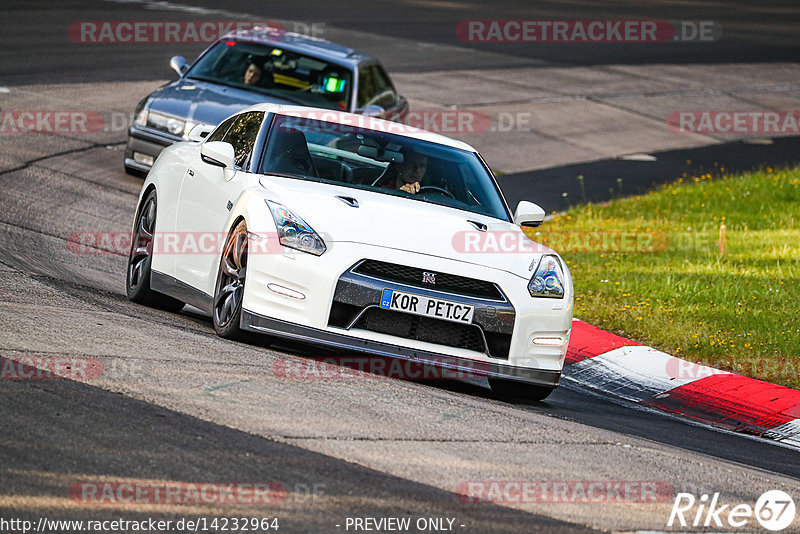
[159, 121]
[294, 232]
[548, 279]
[141, 118]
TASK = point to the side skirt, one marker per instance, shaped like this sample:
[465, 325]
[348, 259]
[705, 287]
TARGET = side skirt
[168, 285]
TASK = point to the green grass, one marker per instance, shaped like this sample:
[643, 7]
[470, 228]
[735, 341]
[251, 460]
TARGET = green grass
[739, 311]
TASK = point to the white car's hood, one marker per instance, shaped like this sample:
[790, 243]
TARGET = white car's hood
[405, 224]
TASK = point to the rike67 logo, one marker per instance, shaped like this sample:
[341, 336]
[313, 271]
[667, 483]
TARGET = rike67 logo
[774, 510]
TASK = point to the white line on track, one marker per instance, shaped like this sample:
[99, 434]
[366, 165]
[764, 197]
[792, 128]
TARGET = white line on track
[159, 5]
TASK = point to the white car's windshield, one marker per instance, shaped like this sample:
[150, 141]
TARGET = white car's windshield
[271, 70]
[383, 162]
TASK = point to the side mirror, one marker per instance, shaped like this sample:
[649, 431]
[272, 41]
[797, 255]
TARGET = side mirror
[178, 64]
[218, 153]
[372, 111]
[200, 132]
[528, 214]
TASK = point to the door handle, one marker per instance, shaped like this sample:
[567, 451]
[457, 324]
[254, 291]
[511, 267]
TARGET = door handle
[191, 172]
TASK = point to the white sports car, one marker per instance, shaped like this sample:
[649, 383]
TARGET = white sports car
[358, 234]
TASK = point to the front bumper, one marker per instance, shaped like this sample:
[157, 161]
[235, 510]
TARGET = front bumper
[322, 281]
[267, 325]
[147, 142]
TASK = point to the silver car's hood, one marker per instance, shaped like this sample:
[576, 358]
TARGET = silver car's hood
[204, 102]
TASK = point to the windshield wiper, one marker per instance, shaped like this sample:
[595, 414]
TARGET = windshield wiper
[210, 80]
[295, 176]
[291, 99]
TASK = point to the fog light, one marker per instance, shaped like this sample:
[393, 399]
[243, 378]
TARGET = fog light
[285, 291]
[144, 159]
[551, 341]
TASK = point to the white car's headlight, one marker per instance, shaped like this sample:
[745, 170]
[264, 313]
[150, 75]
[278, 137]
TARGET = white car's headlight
[548, 279]
[294, 232]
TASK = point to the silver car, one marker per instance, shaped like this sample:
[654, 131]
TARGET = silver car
[249, 67]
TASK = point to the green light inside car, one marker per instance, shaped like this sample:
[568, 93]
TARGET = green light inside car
[334, 85]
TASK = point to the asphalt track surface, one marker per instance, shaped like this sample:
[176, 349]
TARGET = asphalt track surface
[179, 404]
[35, 51]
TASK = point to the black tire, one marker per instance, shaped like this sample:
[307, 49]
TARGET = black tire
[140, 259]
[229, 289]
[510, 389]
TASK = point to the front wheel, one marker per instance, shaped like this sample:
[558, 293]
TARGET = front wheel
[229, 290]
[140, 260]
[511, 389]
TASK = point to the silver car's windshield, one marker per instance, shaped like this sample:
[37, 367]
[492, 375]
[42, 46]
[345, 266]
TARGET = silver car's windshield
[381, 161]
[273, 71]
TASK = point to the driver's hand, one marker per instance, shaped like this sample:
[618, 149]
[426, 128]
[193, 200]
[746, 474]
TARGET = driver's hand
[412, 188]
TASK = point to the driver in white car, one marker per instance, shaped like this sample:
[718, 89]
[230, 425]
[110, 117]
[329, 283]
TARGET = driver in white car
[408, 174]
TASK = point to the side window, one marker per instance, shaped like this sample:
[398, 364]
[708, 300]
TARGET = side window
[220, 130]
[242, 136]
[374, 87]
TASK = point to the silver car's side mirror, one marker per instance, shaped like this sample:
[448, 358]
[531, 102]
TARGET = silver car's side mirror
[372, 111]
[528, 214]
[178, 64]
[218, 153]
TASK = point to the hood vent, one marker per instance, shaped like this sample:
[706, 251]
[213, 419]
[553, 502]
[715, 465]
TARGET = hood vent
[478, 225]
[350, 201]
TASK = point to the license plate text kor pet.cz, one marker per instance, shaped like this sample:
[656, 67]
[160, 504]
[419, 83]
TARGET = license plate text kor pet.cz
[427, 306]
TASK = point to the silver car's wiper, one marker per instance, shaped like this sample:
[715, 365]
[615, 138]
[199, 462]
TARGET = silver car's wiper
[210, 80]
[285, 97]
[258, 89]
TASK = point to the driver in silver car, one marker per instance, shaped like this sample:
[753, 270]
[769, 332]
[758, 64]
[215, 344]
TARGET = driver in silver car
[253, 74]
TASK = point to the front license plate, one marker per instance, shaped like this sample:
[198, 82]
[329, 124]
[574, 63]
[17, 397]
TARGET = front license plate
[429, 307]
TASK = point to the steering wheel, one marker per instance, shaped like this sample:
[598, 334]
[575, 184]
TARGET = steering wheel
[347, 173]
[441, 190]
